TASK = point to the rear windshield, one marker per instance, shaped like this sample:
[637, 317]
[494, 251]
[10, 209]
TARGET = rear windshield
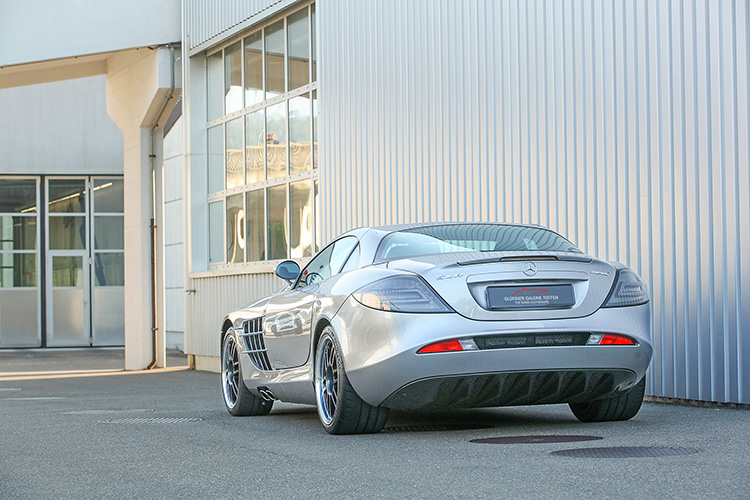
[469, 238]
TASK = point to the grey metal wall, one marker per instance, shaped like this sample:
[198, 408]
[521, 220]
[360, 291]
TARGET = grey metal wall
[622, 124]
[206, 20]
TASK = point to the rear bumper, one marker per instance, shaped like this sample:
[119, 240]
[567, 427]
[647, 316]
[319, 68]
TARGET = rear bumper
[380, 356]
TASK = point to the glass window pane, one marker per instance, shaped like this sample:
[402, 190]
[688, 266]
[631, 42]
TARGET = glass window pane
[301, 223]
[19, 318]
[235, 159]
[108, 196]
[17, 270]
[235, 229]
[109, 269]
[276, 140]
[17, 233]
[312, 42]
[233, 77]
[255, 147]
[216, 232]
[254, 69]
[215, 71]
[216, 159]
[67, 233]
[277, 227]
[299, 134]
[18, 195]
[109, 233]
[315, 127]
[67, 271]
[298, 34]
[275, 59]
[67, 195]
[256, 226]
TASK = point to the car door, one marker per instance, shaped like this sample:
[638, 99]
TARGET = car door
[289, 314]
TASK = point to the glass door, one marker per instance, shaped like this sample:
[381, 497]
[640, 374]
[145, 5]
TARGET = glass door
[108, 261]
[68, 263]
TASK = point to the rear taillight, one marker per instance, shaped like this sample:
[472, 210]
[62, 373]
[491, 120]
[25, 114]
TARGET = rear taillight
[609, 339]
[449, 345]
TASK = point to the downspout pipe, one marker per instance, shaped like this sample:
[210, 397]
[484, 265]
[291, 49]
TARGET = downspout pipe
[152, 159]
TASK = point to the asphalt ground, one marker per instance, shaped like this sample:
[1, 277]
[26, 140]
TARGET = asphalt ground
[74, 425]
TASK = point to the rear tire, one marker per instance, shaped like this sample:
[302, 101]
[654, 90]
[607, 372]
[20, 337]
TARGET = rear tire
[238, 399]
[340, 408]
[620, 406]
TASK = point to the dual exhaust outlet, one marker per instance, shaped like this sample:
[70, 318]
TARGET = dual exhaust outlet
[266, 394]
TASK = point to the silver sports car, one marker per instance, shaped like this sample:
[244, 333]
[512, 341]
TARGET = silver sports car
[442, 316]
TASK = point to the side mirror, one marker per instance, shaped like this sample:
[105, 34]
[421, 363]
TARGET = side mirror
[288, 270]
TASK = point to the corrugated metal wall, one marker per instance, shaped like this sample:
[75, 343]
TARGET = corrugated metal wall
[622, 124]
[207, 19]
[213, 299]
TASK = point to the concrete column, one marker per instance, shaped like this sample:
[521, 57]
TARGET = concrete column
[138, 87]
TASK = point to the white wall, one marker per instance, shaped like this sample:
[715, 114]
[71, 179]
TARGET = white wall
[59, 128]
[39, 30]
[174, 261]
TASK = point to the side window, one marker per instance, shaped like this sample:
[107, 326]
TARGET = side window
[352, 262]
[327, 263]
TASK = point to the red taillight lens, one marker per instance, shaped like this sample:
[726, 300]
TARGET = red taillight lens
[444, 346]
[610, 339]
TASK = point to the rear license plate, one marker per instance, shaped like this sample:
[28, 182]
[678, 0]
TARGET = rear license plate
[530, 297]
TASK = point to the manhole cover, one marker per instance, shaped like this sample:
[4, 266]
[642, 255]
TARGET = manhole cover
[157, 420]
[534, 439]
[626, 452]
[105, 412]
[434, 427]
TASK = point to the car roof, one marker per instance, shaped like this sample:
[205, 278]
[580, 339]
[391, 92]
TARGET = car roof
[401, 227]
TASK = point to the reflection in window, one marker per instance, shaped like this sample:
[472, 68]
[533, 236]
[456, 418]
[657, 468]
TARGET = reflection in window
[299, 49]
[17, 270]
[235, 229]
[275, 59]
[215, 159]
[234, 157]
[109, 269]
[109, 232]
[216, 232]
[312, 44]
[108, 196]
[67, 196]
[215, 71]
[301, 220]
[17, 196]
[255, 147]
[256, 226]
[277, 228]
[233, 78]
[67, 233]
[254, 69]
[276, 140]
[299, 134]
[67, 271]
[17, 233]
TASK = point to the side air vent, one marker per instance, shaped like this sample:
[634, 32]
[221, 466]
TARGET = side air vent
[255, 347]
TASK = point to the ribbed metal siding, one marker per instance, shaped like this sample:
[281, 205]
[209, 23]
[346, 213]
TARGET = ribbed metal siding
[213, 299]
[207, 19]
[622, 124]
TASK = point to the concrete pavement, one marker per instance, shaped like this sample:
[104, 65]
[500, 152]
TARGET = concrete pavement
[74, 425]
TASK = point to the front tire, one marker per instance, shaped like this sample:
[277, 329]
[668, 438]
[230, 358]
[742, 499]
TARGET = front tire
[620, 406]
[238, 399]
[340, 408]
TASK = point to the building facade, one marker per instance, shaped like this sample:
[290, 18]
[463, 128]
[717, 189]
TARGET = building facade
[623, 125]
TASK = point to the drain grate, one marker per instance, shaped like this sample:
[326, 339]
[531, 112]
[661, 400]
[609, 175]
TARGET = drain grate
[626, 452]
[534, 439]
[157, 420]
[106, 412]
[435, 427]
